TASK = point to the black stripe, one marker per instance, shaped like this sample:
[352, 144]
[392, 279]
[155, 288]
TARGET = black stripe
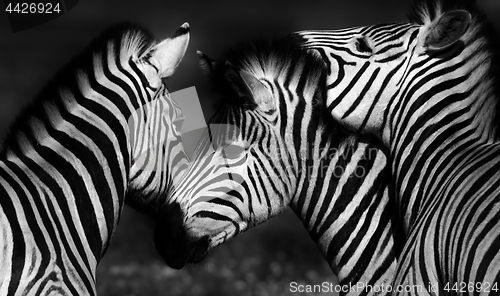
[264, 190]
[362, 94]
[226, 203]
[480, 217]
[18, 243]
[379, 94]
[34, 225]
[342, 162]
[391, 58]
[65, 239]
[389, 47]
[351, 85]
[218, 217]
[95, 170]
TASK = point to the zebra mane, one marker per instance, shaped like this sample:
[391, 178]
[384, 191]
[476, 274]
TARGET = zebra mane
[423, 11]
[271, 59]
[126, 40]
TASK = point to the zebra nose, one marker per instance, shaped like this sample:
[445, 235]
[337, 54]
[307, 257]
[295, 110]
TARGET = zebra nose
[169, 234]
[172, 241]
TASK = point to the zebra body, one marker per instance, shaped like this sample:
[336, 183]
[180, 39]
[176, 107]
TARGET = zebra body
[102, 133]
[272, 145]
[429, 90]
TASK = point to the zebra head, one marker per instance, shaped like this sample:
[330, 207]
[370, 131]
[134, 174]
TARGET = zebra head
[371, 67]
[245, 170]
[157, 153]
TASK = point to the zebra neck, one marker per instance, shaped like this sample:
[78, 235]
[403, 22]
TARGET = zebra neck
[73, 169]
[445, 90]
[333, 206]
[437, 128]
[319, 170]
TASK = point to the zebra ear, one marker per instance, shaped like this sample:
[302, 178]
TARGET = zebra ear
[447, 30]
[167, 55]
[206, 63]
[249, 88]
[236, 82]
[262, 97]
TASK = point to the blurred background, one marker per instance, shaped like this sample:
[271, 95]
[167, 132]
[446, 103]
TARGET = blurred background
[262, 261]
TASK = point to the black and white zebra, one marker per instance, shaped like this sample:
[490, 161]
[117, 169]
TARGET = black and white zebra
[429, 89]
[103, 132]
[271, 145]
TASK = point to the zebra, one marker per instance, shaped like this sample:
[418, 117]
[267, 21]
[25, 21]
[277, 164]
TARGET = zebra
[270, 145]
[429, 89]
[103, 132]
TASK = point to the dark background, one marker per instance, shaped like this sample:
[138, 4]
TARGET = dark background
[262, 261]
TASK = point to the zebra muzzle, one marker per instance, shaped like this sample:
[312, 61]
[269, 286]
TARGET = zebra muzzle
[173, 242]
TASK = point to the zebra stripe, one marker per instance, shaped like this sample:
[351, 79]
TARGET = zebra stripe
[103, 132]
[434, 103]
[271, 144]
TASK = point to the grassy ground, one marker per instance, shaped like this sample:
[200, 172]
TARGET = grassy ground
[263, 261]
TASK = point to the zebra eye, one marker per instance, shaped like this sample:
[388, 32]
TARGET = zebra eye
[232, 151]
[362, 45]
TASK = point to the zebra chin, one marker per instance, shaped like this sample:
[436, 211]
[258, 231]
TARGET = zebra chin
[173, 242]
